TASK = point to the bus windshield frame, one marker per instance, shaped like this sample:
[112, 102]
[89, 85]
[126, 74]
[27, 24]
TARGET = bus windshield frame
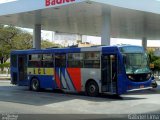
[135, 59]
[136, 63]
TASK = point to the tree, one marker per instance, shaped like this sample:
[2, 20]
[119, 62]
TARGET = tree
[23, 41]
[152, 56]
[154, 60]
[157, 65]
[12, 38]
[7, 33]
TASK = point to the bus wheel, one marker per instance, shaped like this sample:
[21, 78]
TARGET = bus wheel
[92, 89]
[35, 85]
[154, 85]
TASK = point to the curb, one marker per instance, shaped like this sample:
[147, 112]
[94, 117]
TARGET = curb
[1, 79]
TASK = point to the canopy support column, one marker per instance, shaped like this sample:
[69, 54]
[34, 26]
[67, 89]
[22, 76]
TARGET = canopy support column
[144, 43]
[106, 27]
[37, 36]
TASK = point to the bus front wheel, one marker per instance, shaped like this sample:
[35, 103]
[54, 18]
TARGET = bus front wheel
[92, 89]
[35, 85]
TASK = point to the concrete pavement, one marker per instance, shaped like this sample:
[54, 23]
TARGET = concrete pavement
[19, 100]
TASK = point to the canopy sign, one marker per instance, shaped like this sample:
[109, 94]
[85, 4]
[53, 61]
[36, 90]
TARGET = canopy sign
[57, 2]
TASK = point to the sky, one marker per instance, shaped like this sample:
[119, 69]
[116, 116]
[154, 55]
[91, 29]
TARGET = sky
[5, 1]
[48, 35]
[114, 41]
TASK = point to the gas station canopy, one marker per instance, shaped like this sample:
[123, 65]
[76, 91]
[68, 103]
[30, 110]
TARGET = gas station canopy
[129, 18]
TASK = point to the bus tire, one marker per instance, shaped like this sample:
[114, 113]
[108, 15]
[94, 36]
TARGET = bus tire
[92, 89]
[35, 84]
[154, 85]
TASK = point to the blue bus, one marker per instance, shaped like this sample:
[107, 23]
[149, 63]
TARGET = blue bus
[93, 70]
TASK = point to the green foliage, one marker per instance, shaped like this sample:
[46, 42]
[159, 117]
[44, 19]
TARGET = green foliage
[12, 38]
[5, 65]
[157, 64]
[23, 41]
[47, 44]
[152, 56]
[154, 60]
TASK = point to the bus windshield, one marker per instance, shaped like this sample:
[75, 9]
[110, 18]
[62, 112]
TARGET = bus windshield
[136, 63]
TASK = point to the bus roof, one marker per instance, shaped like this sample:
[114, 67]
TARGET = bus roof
[71, 49]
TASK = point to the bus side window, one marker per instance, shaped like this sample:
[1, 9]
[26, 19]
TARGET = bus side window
[92, 60]
[48, 61]
[75, 60]
[60, 60]
[35, 60]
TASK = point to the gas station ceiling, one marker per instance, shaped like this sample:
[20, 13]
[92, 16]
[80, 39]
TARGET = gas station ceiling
[85, 17]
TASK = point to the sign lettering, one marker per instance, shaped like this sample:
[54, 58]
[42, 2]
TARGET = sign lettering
[57, 2]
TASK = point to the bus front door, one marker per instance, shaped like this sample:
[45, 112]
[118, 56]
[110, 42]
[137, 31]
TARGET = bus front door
[109, 73]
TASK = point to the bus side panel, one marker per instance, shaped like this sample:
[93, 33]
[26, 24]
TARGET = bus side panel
[91, 74]
[68, 79]
[45, 76]
[57, 78]
[121, 78]
[45, 81]
[122, 84]
[74, 74]
[14, 75]
[60, 78]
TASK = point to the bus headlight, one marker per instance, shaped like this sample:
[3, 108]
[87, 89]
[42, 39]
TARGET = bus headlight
[148, 76]
[130, 77]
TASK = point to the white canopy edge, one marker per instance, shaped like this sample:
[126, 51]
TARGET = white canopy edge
[152, 6]
[20, 6]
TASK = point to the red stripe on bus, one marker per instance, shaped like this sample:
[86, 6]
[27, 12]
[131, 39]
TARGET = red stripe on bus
[57, 80]
[75, 75]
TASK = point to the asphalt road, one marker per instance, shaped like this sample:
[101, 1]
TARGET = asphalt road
[19, 100]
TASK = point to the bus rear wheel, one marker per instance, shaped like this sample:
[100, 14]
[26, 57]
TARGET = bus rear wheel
[35, 85]
[92, 89]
